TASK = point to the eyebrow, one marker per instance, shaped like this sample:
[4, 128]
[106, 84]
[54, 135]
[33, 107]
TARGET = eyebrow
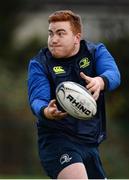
[57, 30]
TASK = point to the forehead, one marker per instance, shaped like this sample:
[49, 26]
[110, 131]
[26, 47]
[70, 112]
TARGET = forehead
[63, 25]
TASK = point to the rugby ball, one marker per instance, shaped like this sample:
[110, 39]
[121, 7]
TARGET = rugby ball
[76, 100]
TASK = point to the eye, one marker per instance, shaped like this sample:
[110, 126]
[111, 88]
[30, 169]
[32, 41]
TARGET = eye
[61, 33]
[50, 34]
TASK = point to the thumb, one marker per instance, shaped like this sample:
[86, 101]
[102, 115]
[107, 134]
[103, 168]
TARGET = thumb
[52, 103]
[86, 78]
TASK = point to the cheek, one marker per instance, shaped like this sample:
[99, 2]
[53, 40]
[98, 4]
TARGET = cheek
[70, 41]
[69, 44]
[48, 41]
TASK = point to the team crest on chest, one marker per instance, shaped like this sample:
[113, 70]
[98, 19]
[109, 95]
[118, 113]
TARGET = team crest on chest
[84, 62]
[58, 70]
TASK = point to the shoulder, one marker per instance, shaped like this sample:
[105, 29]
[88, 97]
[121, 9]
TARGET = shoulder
[42, 55]
[40, 58]
[94, 45]
[97, 49]
[36, 62]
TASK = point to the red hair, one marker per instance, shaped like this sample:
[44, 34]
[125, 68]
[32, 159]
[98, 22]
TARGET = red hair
[67, 15]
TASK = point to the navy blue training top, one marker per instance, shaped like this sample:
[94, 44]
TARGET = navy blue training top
[46, 72]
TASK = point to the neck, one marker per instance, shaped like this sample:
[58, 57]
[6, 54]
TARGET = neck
[75, 49]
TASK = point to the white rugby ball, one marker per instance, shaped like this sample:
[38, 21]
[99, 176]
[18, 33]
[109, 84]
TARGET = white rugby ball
[76, 100]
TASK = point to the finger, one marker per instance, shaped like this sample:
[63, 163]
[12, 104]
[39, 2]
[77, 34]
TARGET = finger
[96, 95]
[86, 78]
[90, 85]
[60, 115]
[53, 111]
[56, 112]
[52, 103]
[93, 89]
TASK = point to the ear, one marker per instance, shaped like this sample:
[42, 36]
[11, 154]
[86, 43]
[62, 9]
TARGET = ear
[77, 38]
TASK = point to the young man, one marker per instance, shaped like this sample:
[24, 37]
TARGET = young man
[68, 147]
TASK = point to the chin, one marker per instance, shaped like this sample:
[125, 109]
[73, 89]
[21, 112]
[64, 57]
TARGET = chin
[57, 55]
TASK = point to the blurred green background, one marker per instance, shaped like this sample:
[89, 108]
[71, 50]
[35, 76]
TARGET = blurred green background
[23, 31]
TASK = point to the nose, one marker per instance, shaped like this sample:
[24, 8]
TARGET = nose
[54, 39]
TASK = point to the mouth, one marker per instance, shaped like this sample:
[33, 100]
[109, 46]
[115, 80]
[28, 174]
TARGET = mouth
[55, 46]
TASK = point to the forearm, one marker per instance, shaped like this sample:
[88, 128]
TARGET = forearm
[38, 87]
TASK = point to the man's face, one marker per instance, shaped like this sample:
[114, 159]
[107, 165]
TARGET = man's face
[62, 43]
